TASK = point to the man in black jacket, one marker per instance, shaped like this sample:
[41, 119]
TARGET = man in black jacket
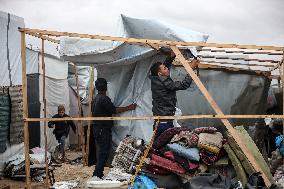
[62, 128]
[164, 91]
[103, 107]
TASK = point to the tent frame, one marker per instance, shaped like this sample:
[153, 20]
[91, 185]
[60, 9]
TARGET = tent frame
[155, 44]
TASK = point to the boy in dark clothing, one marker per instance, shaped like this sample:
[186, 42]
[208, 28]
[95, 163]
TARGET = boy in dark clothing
[103, 107]
[164, 91]
[62, 128]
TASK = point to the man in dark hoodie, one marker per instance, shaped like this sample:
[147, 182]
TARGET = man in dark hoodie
[103, 107]
[164, 91]
[62, 128]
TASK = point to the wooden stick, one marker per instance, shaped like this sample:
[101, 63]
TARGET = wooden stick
[45, 122]
[80, 132]
[282, 79]
[25, 110]
[218, 110]
[238, 64]
[144, 42]
[242, 52]
[91, 89]
[44, 37]
[157, 117]
[235, 58]
[204, 65]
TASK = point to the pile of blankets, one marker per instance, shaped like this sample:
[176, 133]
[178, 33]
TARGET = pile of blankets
[184, 152]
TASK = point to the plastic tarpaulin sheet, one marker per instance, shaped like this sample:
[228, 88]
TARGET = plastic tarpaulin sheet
[126, 67]
[10, 54]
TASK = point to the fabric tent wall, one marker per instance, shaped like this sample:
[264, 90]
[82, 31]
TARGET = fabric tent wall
[10, 54]
[235, 93]
[127, 68]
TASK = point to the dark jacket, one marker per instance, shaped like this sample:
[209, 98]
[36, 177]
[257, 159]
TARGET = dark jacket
[62, 127]
[164, 94]
[103, 107]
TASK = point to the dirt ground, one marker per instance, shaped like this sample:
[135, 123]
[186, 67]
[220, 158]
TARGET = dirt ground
[64, 173]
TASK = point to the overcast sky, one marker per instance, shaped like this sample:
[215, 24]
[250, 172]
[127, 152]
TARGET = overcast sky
[227, 21]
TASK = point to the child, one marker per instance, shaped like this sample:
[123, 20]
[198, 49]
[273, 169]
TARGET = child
[62, 128]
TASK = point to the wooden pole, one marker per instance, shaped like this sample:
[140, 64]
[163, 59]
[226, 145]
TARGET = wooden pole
[146, 42]
[91, 89]
[218, 110]
[158, 117]
[282, 79]
[80, 130]
[242, 52]
[44, 104]
[25, 110]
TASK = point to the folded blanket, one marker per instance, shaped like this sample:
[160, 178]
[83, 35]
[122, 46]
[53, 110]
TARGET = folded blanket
[186, 138]
[188, 153]
[166, 164]
[205, 130]
[212, 142]
[167, 135]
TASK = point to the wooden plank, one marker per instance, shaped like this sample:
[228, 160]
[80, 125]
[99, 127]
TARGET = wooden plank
[45, 122]
[25, 110]
[144, 42]
[44, 37]
[217, 109]
[238, 58]
[79, 123]
[242, 52]
[91, 90]
[282, 80]
[158, 117]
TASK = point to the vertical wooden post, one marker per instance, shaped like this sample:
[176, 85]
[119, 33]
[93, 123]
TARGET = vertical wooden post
[218, 110]
[44, 104]
[80, 129]
[25, 110]
[282, 80]
[91, 89]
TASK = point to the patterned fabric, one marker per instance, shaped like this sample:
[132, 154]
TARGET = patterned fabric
[186, 138]
[166, 164]
[167, 135]
[209, 158]
[212, 142]
[205, 130]
[188, 153]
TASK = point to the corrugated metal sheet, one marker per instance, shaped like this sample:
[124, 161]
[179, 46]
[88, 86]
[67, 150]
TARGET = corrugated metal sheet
[16, 126]
[4, 118]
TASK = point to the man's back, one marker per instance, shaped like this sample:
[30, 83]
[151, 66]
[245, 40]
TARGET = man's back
[103, 107]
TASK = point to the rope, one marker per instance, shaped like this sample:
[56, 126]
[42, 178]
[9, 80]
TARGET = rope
[142, 159]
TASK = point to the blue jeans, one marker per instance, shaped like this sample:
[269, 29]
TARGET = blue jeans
[61, 142]
[162, 127]
[102, 137]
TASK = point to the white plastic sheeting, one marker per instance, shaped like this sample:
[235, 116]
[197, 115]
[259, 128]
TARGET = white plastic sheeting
[10, 53]
[126, 67]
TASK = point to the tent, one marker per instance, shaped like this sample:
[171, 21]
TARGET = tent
[126, 68]
[57, 88]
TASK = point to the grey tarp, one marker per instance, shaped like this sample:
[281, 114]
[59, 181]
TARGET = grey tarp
[127, 68]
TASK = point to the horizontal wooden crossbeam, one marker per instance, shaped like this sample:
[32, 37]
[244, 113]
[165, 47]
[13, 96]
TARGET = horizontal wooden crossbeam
[156, 117]
[149, 41]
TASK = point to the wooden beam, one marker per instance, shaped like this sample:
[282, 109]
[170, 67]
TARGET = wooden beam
[158, 117]
[44, 37]
[144, 42]
[91, 90]
[237, 63]
[235, 58]
[79, 123]
[242, 52]
[45, 122]
[25, 110]
[218, 110]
